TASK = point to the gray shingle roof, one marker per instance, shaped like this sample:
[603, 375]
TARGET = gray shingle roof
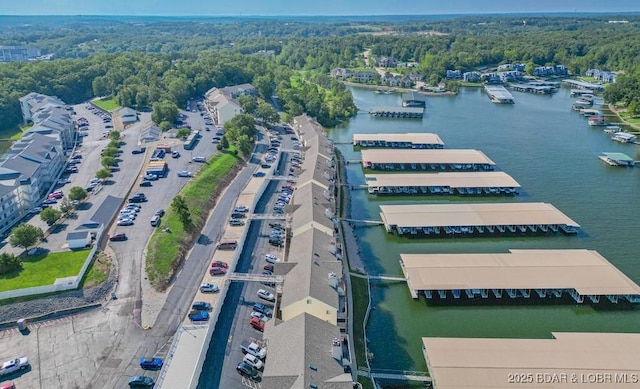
[107, 210]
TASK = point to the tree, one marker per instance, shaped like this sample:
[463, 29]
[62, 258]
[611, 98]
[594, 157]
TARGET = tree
[267, 113]
[9, 263]
[65, 205]
[633, 109]
[50, 215]
[114, 135]
[113, 144]
[224, 142]
[108, 161]
[110, 152]
[165, 126]
[102, 174]
[164, 110]
[180, 207]
[248, 103]
[77, 193]
[25, 235]
[183, 133]
[264, 86]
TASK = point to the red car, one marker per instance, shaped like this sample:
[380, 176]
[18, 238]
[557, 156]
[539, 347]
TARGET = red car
[8, 385]
[268, 267]
[257, 324]
[218, 271]
[118, 237]
[219, 264]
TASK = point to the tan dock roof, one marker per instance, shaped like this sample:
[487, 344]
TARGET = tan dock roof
[571, 361]
[586, 271]
[416, 137]
[483, 214]
[453, 180]
[449, 156]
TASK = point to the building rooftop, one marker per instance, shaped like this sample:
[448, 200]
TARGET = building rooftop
[428, 156]
[585, 271]
[453, 180]
[574, 359]
[618, 157]
[417, 138]
[474, 214]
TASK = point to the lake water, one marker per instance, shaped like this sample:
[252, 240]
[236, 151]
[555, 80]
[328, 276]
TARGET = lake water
[553, 153]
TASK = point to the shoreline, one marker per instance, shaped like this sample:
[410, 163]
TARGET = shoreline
[621, 119]
[397, 89]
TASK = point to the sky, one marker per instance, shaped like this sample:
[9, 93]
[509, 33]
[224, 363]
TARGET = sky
[307, 7]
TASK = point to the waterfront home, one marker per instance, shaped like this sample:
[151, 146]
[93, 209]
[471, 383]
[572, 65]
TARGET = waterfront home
[341, 73]
[454, 74]
[363, 76]
[601, 75]
[471, 77]
[386, 62]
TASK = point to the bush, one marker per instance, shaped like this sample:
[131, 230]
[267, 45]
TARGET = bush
[9, 263]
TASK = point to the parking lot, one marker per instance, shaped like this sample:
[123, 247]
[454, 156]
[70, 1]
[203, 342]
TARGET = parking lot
[233, 326]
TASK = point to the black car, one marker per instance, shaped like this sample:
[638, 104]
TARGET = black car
[138, 151]
[160, 212]
[135, 199]
[146, 183]
[237, 215]
[244, 369]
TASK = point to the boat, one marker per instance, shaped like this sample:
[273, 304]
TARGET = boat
[597, 121]
[623, 137]
[590, 112]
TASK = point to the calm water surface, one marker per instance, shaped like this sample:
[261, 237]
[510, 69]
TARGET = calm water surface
[552, 153]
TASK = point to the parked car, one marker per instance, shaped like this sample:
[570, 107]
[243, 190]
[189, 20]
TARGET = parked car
[140, 381]
[237, 215]
[268, 267]
[265, 166]
[220, 264]
[253, 361]
[266, 295]
[201, 306]
[14, 365]
[209, 288]
[138, 151]
[246, 370]
[236, 222]
[271, 258]
[262, 308]
[125, 222]
[151, 363]
[259, 174]
[198, 315]
[175, 154]
[241, 208]
[118, 236]
[199, 159]
[50, 201]
[160, 212]
[8, 385]
[146, 183]
[259, 315]
[150, 177]
[184, 173]
[257, 324]
[217, 271]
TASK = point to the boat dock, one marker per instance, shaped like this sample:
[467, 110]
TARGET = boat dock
[419, 140]
[398, 112]
[485, 219]
[564, 360]
[426, 160]
[583, 85]
[617, 159]
[580, 92]
[471, 183]
[499, 94]
[534, 88]
[414, 99]
[518, 274]
[623, 137]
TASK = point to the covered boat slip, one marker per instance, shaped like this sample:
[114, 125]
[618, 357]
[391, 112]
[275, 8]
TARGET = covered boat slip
[519, 273]
[398, 112]
[568, 360]
[464, 183]
[481, 219]
[434, 160]
[399, 141]
[499, 94]
[617, 159]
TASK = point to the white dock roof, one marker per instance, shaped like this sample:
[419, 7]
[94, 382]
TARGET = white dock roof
[447, 156]
[586, 271]
[453, 180]
[473, 214]
[416, 137]
[570, 359]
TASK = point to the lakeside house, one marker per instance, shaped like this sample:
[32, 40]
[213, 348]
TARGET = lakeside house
[386, 62]
[601, 75]
[223, 102]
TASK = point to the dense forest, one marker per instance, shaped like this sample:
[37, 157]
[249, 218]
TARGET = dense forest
[143, 61]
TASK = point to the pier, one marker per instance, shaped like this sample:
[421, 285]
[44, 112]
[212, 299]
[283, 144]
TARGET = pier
[534, 88]
[413, 99]
[617, 159]
[398, 112]
[584, 275]
[583, 85]
[499, 94]
[465, 183]
[399, 141]
[426, 160]
[488, 219]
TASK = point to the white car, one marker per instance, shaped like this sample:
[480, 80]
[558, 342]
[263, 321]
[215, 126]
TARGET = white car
[184, 173]
[271, 258]
[241, 208]
[263, 294]
[253, 361]
[14, 365]
[125, 222]
[209, 288]
[259, 315]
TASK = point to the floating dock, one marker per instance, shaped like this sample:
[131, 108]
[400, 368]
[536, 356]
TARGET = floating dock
[472, 183]
[499, 94]
[518, 274]
[624, 137]
[398, 112]
[617, 159]
[534, 88]
[426, 160]
[414, 99]
[567, 360]
[486, 219]
[419, 140]
[582, 85]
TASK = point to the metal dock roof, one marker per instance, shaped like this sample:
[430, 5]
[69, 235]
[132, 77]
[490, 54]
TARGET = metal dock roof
[412, 110]
[622, 157]
[476, 214]
[435, 156]
[453, 180]
[416, 138]
[569, 360]
[585, 271]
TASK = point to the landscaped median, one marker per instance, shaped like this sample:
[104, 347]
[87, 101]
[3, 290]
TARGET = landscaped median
[44, 269]
[166, 250]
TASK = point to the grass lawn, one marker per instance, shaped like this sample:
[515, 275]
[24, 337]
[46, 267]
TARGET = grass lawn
[164, 247]
[98, 271]
[43, 269]
[360, 294]
[107, 104]
[629, 119]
